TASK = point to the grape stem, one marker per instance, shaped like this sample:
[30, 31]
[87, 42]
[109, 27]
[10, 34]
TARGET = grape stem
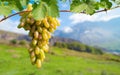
[60, 11]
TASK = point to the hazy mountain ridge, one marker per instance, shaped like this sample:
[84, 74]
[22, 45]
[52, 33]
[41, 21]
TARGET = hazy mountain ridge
[15, 39]
[6, 35]
[101, 34]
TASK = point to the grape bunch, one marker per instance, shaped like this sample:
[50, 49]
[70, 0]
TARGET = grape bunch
[40, 32]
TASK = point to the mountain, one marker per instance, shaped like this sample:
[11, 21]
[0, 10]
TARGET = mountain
[6, 36]
[16, 39]
[101, 34]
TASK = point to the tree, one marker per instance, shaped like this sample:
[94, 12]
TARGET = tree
[14, 41]
[22, 42]
[40, 18]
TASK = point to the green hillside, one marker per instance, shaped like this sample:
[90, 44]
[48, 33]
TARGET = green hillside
[59, 61]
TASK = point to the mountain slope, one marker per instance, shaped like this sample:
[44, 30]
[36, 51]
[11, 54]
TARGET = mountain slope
[102, 34]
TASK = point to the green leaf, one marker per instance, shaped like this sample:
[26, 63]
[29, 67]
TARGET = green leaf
[45, 8]
[39, 11]
[87, 6]
[5, 10]
[52, 8]
[89, 11]
[78, 8]
[24, 2]
[12, 5]
[116, 1]
[15, 4]
[105, 4]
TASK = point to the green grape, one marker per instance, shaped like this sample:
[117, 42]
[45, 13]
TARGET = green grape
[33, 59]
[48, 34]
[27, 27]
[44, 30]
[42, 55]
[45, 48]
[32, 21]
[30, 50]
[46, 24]
[36, 34]
[57, 21]
[39, 29]
[39, 44]
[21, 25]
[38, 22]
[53, 26]
[51, 29]
[39, 36]
[44, 36]
[30, 15]
[38, 63]
[28, 20]
[37, 50]
[32, 54]
[34, 42]
[40, 32]
[44, 42]
[33, 28]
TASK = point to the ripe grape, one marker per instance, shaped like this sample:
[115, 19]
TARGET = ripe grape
[40, 31]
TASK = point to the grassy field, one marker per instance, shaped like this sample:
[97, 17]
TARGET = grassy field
[15, 61]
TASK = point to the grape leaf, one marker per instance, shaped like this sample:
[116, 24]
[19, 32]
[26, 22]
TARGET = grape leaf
[87, 6]
[89, 10]
[105, 4]
[52, 8]
[16, 4]
[37, 1]
[0, 2]
[5, 10]
[46, 8]
[116, 1]
[78, 8]
[39, 11]
[24, 3]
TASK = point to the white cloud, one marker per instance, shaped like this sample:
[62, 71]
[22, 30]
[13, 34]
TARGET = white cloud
[103, 16]
[10, 25]
[67, 29]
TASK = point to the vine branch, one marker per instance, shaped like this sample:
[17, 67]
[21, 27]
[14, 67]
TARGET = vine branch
[95, 12]
[12, 15]
[60, 11]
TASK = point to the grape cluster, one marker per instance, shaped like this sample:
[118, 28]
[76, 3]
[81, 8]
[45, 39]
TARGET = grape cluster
[40, 31]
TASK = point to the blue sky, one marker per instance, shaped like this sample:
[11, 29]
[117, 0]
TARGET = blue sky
[66, 19]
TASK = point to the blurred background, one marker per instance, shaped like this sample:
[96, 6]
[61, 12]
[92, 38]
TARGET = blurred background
[82, 45]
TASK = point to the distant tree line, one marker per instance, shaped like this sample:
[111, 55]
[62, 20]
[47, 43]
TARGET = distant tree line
[79, 47]
[18, 42]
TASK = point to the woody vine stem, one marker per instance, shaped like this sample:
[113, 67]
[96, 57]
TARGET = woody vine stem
[60, 11]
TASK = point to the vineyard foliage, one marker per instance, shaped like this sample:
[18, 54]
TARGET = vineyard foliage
[41, 8]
